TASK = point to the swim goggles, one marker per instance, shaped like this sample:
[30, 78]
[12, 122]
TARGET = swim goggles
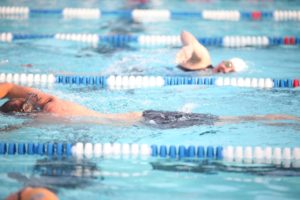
[228, 64]
[30, 104]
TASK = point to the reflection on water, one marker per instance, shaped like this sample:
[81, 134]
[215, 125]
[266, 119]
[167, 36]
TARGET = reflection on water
[57, 173]
[215, 167]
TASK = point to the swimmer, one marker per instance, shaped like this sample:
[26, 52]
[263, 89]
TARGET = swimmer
[193, 56]
[29, 193]
[29, 100]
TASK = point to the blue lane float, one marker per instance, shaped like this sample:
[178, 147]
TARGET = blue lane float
[157, 40]
[130, 82]
[153, 15]
[246, 154]
[43, 149]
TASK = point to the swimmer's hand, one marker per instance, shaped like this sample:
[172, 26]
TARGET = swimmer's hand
[184, 55]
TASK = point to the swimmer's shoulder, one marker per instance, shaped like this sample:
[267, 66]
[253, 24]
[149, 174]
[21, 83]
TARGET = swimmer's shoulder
[50, 104]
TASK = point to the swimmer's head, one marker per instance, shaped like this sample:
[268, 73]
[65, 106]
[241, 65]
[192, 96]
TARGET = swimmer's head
[13, 105]
[21, 105]
[29, 193]
[232, 65]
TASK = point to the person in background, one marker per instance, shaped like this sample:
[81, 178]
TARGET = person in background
[30, 193]
[193, 56]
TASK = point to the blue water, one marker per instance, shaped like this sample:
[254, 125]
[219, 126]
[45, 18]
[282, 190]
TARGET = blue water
[128, 178]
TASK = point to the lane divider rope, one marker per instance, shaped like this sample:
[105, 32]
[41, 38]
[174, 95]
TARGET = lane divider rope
[157, 40]
[248, 154]
[128, 82]
[153, 15]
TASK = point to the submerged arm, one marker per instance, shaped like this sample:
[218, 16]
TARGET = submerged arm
[14, 127]
[120, 119]
[269, 117]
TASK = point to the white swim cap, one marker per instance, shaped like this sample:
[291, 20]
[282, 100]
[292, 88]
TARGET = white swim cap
[239, 64]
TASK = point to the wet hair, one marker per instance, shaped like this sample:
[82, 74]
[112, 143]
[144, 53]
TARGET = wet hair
[27, 105]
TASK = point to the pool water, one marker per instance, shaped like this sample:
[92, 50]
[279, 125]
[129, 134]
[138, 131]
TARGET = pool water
[152, 178]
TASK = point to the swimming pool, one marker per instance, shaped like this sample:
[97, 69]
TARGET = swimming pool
[127, 177]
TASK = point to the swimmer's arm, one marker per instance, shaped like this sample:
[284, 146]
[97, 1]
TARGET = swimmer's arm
[187, 39]
[268, 117]
[14, 127]
[10, 90]
[120, 119]
[4, 88]
[201, 53]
